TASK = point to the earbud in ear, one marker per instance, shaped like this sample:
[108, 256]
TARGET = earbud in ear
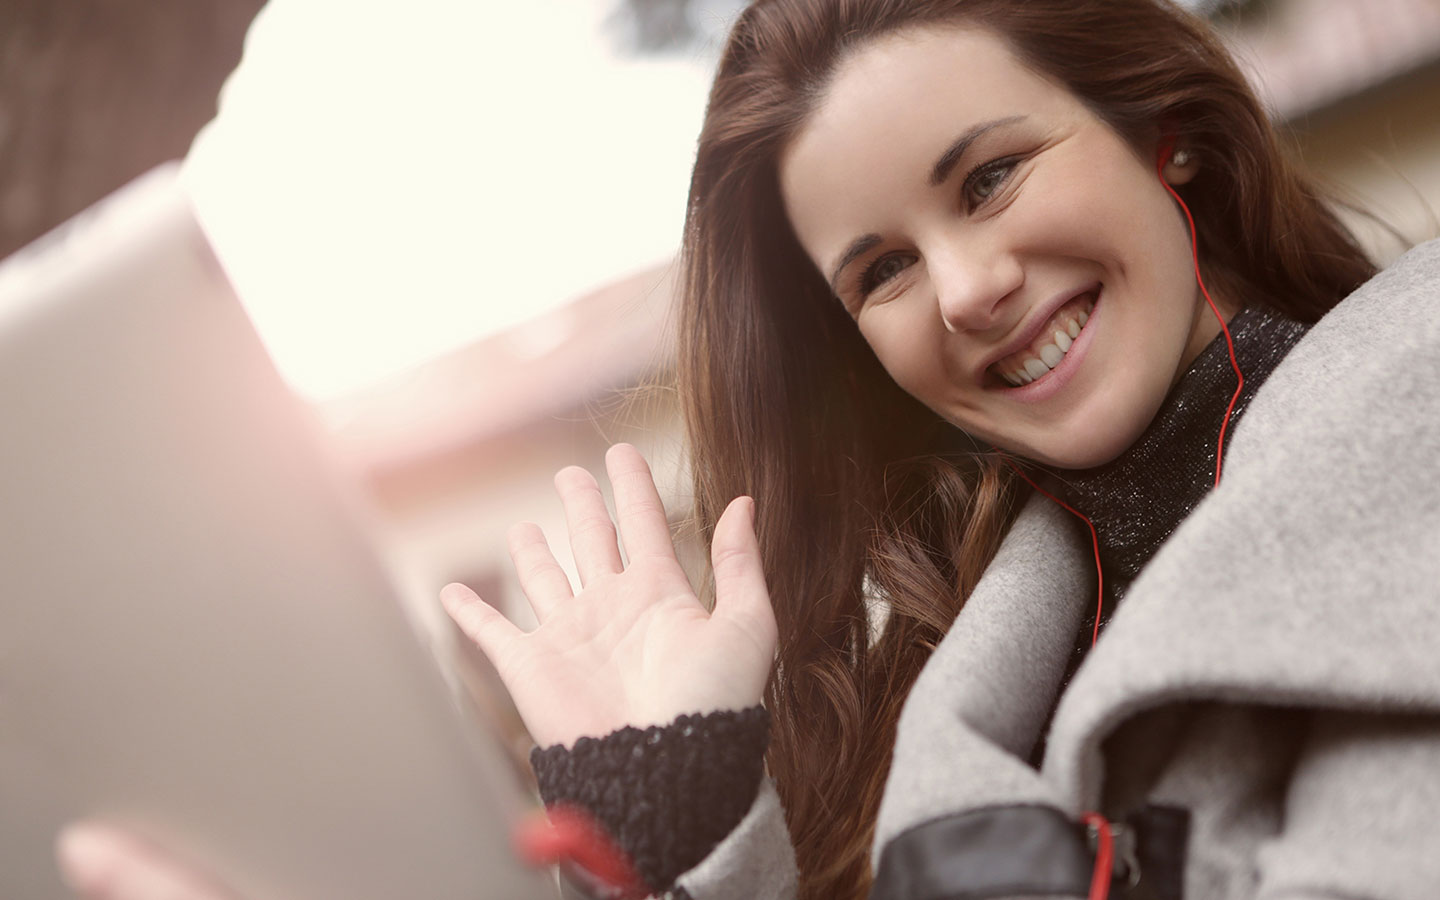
[1180, 158]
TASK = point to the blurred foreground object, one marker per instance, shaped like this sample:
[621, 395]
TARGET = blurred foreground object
[200, 642]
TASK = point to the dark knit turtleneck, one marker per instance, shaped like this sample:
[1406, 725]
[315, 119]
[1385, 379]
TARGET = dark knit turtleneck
[1139, 498]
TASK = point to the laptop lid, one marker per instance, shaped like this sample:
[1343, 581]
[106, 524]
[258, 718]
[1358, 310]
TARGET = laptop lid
[198, 640]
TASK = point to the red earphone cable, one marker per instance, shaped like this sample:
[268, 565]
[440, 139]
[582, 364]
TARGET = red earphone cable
[1094, 542]
[1104, 851]
[1229, 342]
[1104, 855]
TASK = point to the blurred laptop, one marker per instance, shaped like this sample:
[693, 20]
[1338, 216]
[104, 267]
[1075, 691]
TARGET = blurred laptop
[198, 640]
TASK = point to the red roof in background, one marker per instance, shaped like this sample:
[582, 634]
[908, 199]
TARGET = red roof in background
[551, 366]
[1304, 55]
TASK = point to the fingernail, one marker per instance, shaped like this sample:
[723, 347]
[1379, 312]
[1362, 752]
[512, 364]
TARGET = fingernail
[454, 593]
[83, 852]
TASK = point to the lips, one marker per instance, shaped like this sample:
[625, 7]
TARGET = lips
[1047, 348]
[1037, 327]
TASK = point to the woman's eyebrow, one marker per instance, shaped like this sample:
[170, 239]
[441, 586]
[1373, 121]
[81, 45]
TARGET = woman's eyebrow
[857, 247]
[943, 166]
[957, 148]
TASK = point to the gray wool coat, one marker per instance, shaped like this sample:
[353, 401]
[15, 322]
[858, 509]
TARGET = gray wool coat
[1274, 672]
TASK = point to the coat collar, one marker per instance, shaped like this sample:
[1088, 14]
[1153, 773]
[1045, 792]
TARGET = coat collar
[1311, 576]
[977, 708]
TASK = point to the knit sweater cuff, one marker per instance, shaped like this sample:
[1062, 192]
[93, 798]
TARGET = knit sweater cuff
[668, 794]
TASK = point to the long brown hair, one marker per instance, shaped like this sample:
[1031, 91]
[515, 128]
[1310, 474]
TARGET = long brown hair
[867, 503]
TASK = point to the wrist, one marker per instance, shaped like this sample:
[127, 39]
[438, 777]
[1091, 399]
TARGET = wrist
[667, 794]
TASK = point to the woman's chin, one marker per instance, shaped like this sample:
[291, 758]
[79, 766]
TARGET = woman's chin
[1095, 447]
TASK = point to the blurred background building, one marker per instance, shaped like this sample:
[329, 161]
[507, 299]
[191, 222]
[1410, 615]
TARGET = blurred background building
[1357, 83]
[462, 440]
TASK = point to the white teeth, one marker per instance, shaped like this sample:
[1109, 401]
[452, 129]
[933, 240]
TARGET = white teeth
[1050, 355]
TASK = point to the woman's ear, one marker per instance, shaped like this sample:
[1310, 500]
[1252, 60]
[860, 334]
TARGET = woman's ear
[1181, 166]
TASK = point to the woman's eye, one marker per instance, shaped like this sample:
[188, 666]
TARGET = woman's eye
[882, 270]
[986, 180]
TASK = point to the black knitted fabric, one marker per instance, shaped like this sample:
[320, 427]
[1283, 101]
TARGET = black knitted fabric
[667, 794]
[1139, 498]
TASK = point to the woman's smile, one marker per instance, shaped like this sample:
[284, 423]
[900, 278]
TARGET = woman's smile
[1046, 343]
[1015, 264]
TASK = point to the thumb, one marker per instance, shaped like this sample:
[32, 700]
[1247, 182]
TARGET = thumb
[740, 592]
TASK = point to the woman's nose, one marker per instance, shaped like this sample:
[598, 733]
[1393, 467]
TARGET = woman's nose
[971, 286]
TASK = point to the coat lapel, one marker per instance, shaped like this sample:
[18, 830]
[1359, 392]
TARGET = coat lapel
[1311, 576]
[977, 708]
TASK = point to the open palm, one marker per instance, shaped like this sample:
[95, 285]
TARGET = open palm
[634, 646]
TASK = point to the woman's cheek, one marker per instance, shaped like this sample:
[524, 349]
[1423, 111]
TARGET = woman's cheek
[881, 330]
[917, 371]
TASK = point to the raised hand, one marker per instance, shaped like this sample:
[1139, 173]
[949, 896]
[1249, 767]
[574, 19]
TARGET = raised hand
[634, 646]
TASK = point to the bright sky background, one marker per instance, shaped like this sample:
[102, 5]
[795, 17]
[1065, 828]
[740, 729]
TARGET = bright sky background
[388, 181]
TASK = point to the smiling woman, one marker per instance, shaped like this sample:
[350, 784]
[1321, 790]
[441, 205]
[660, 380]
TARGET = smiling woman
[931, 239]
[977, 252]
[933, 253]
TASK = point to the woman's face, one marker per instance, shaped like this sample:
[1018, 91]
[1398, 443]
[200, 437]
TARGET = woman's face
[1014, 263]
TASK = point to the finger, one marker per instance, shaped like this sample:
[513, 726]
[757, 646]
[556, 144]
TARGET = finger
[100, 863]
[592, 533]
[637, 505]
[545, 584]
[740, 592]
[480, 621]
